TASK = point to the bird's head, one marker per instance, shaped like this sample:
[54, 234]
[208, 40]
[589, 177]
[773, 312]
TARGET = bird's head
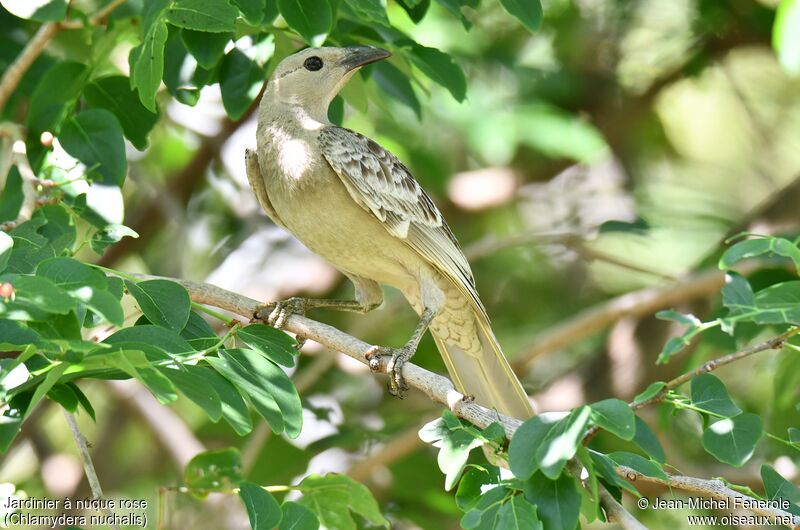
[311, 78]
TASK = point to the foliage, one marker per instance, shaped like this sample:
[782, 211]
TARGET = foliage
[92, 107]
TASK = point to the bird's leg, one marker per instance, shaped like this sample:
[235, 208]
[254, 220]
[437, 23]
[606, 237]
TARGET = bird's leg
[399, 356]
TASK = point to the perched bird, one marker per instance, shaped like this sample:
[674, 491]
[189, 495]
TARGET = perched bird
[355, 204]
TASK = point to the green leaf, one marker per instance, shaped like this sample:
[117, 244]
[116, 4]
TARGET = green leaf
[15, 335]
[297, 517]
[214, 470]
[332, 497]
[199, 333]
[153, 336]
[786, 35]
[234, 409]
[206, 48]
[253, 10]
[396, 84]
[778, 304]
[737, 295]
[709, 393]
[94, 137]
[114, 93]
[103, 304]
[529, 12]
[6, 246]
[646, 439]
[241, 79]
[604, 467]
[369, 11]
[733, 440]
[518, 514]
[135, 364]
[558, 501]
[454, 445]
[9, 428]
[201, 15]
[49, 108]
[415, 9]
[527, 439]
[776, 487]
[40, 293]
[71, 275]
[312, 19]
[485, 513]
[638, 463]
[440, 68]
[83, 400]
[164, 302]
[268, 387]
[262, 508]
[562, 441]
[650, 392]
[11, 200]
[454, 6]
[147, 63]
[38, 10]
[195, 387]
[615, 416]
[52, 377]
[768, 246]
[272, 343]
[109, 235]
[470, 488]
[64, 396]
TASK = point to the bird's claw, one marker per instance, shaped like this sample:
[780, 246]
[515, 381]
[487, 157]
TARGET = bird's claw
[398, 357]
[276, 313]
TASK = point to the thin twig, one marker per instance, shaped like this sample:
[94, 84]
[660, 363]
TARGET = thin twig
[715, 489]
[774, 343]
[86, 458]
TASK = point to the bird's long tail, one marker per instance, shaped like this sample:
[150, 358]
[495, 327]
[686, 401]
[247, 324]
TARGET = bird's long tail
[486, 375]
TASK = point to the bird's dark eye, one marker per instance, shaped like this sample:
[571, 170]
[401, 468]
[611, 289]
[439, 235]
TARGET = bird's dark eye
[313, 63]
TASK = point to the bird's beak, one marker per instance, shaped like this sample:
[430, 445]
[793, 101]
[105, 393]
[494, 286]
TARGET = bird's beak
[357, 56]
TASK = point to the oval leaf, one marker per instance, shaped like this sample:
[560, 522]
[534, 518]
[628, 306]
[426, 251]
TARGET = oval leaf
[95, 138]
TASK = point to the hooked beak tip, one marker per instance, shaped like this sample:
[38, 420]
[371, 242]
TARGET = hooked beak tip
[358, 56]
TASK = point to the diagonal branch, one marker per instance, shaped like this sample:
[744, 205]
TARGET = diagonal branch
[440, 389]
[637, 304]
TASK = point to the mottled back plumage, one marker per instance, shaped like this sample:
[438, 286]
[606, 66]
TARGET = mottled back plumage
[382, 185]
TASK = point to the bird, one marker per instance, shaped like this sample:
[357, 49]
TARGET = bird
[355, 204]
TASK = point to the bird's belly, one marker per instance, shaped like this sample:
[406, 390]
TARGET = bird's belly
[326, 220]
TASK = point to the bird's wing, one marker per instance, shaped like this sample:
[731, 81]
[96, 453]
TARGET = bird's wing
[382, 185]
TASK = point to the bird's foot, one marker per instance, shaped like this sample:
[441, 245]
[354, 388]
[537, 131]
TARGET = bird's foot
[276, 313]
[398, 357]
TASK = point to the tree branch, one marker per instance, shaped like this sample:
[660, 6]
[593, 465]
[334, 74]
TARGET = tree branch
[715, 489]
[17, 69]
[636, 304]
[436, 387]
[37, 44]
[86, 459]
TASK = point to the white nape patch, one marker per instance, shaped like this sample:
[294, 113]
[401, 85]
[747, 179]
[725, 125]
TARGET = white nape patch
[295, 158]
